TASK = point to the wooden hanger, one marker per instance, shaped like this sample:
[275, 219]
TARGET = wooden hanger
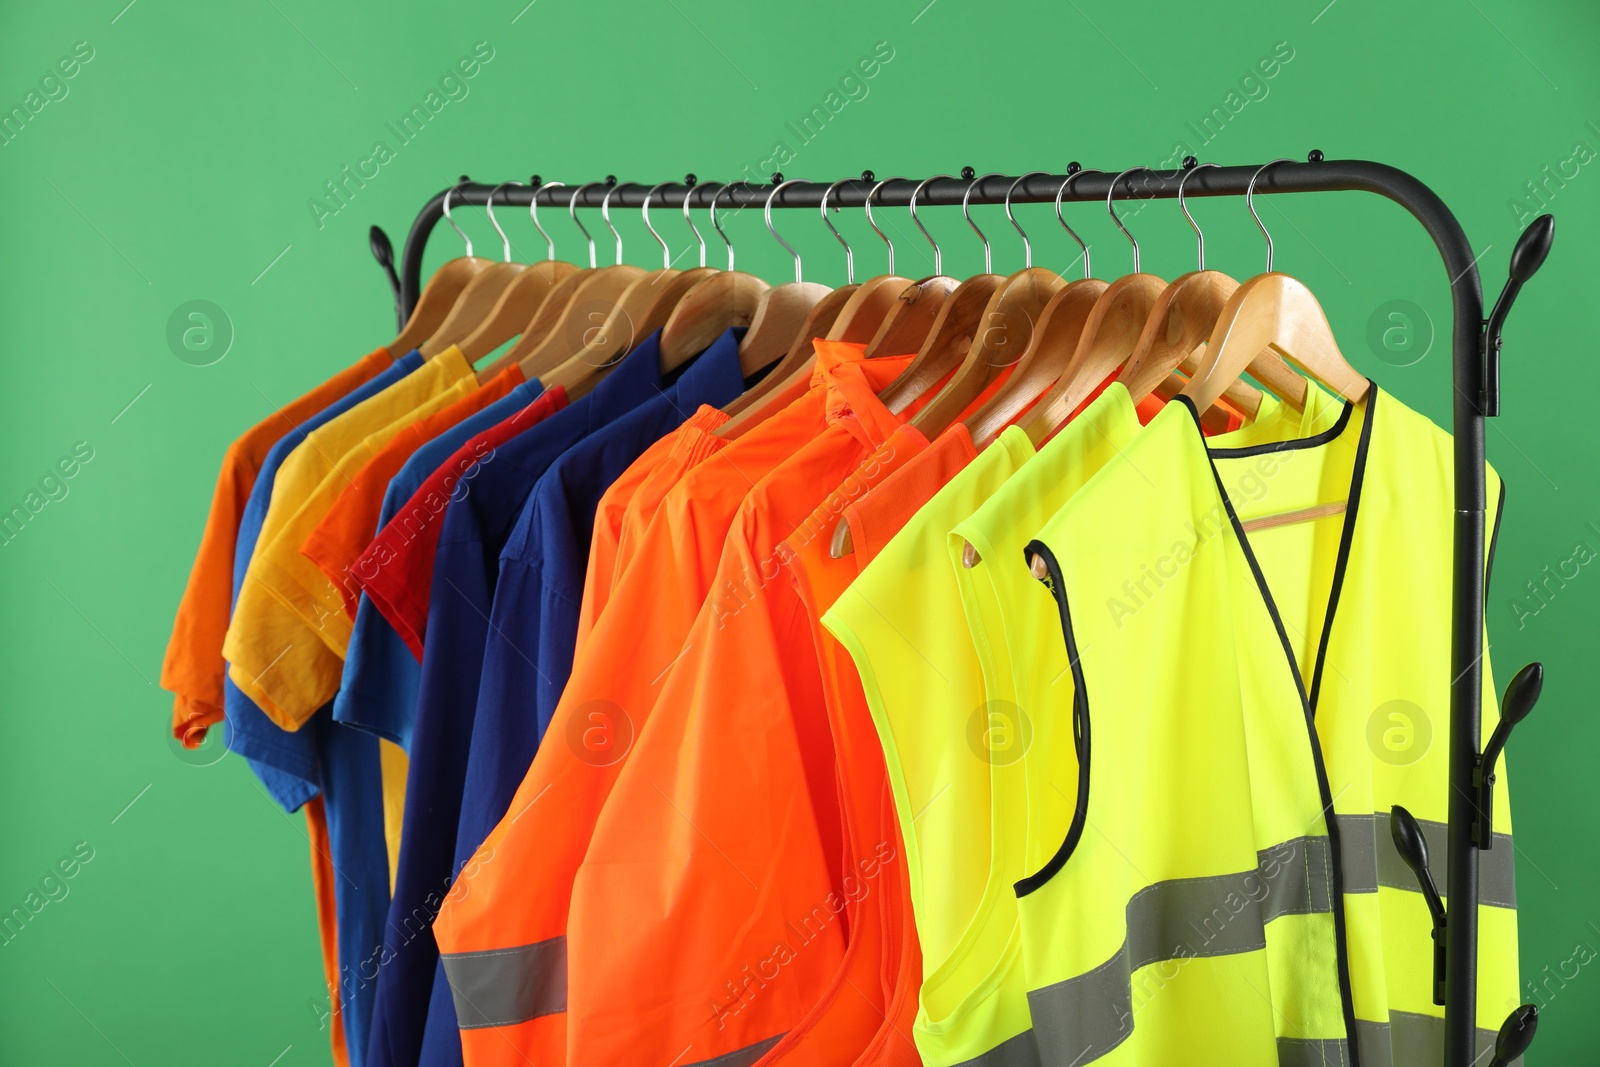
[519, 306]
[797, 361]
[1275, 310]
[519, 303]
[441, 292]
[912, 317]
[564, 323]
[1272, 310]
[949, 346]
[543, 321]
[1055, 337]
[482, 296]
[725, 299]
[1115, 323]
[642, 309]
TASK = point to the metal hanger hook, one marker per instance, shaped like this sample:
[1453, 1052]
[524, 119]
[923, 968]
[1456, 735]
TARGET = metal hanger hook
[572, 212]
[966, 213]
[605, 213]
[1027, 246]
[718, 225]
[1250, 202]
[767, 211]
[1113, 211]
[488, 205]
[938, 257]
[1199, 237]
[849, 253]
[874, 223]
[1072, 176]
[687, 193]
[533, 213]
[459, 231]
[644, 210]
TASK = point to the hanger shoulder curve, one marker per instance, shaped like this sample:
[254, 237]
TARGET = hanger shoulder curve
[1055, 337]
[796, 361]
[590, 304]
[471, 307]
[779, 315]
[724, 299]
[437, 298]
[912, 316]
[1273, 311]
[946, 342]
[864, 312]
[1005, 331]
[517, 305]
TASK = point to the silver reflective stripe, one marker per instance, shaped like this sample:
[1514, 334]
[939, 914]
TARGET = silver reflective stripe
[1019, 1051]
[1370, 859]
[743, 1057]
[508, 986]
[1311, 1052]
[1408, 1038]
[1085, 1017]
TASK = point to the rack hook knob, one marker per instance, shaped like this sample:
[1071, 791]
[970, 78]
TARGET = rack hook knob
[1314, 156]
[1413, 848]
[1516, 1034]
[1522, 693]
[967, 174]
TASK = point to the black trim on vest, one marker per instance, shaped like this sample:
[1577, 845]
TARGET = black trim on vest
[1287, 446]
[1340, 944]
[1346, 539]
[1080, 722]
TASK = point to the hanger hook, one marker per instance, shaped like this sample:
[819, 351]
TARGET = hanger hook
[666, 253]
[688, 191]
[488, 205]
[572, 212]
[938, 256]
[1199, 237]
[1250, 202]
[966, 213]
[459, 231]
[873, 222]
[1027, 246]
[849, 253]
[533, 213]
[767, 211]
[1073, 171]
[1113, 212]
[717, 225]
[605, 213]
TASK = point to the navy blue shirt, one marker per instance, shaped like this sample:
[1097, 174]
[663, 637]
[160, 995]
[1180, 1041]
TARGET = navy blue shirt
[352, 785]
[533, 625]
[378, 691]
[464, 572]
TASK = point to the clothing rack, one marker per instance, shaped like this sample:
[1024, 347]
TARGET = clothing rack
[1475, 348]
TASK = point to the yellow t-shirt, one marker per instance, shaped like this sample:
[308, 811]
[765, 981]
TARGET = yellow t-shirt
[277, 650]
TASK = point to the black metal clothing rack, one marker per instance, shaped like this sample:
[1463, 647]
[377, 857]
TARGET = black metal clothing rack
[1475, 348]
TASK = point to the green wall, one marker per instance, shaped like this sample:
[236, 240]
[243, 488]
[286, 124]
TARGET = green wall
[179, 163]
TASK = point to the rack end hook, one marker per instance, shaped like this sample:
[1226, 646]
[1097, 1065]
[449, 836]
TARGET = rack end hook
[1516, 1034]
[1522, 693]
[1413, 849]
[383, 252]
[1526, 259]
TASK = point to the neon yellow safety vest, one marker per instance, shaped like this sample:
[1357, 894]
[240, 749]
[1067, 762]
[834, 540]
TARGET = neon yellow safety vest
[951, 730]
[900, 620]
[1189, 914]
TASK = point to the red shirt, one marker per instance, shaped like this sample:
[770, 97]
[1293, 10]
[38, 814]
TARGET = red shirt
[396, 570]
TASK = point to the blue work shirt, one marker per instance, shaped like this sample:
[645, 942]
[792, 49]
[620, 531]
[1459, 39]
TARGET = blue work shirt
[286, 763]
[465, 568]
[533, 625]
[342, 764]
[378, 691]
[379, 660]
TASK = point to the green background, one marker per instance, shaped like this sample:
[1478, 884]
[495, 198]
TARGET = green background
[180, 164]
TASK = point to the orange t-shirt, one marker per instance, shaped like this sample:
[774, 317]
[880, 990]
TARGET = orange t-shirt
[193, 668]
[640, 489]
[521, 897]
[737, 745]
[351, 523]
